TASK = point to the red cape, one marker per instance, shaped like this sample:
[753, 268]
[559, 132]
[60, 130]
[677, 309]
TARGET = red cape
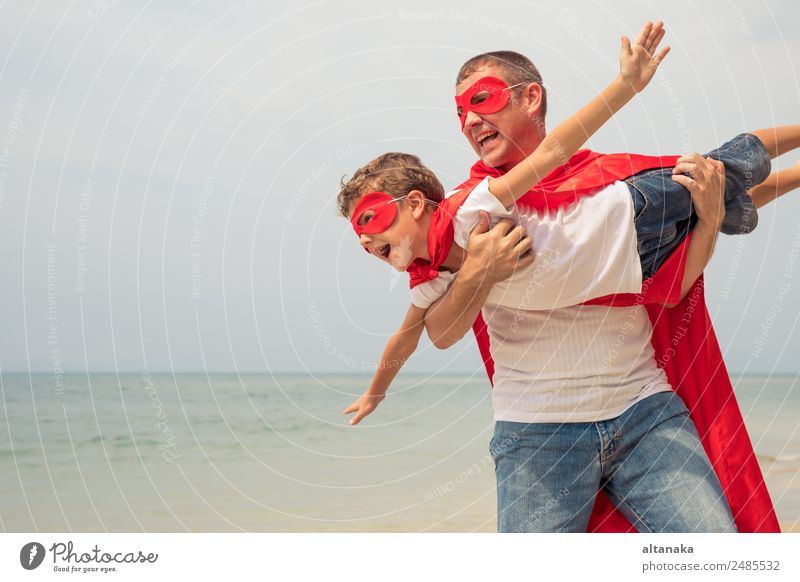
[683, 339]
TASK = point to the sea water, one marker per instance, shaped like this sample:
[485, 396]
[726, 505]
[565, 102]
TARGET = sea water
[274, 453]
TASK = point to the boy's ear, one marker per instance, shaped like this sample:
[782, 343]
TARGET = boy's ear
[416, 202]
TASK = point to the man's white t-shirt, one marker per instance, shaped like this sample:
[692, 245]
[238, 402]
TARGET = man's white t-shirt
[575, 364]
[556, 360]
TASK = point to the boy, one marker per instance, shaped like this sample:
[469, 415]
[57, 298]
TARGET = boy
[575, 260]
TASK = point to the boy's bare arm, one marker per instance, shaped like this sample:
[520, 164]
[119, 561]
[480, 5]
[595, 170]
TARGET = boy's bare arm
[399, 348]
[638, 64]
[492, 257]
[776, 185]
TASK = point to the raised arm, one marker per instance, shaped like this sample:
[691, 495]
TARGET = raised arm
[637, 64]
[400, 347]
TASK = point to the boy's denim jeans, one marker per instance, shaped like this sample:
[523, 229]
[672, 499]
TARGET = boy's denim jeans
[663, 212]
[649, 461]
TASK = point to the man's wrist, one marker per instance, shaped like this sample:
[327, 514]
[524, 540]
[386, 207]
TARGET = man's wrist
[473, 273]
[710, 226]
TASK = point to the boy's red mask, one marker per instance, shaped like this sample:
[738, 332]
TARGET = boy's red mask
[384, 210]
[487, 95]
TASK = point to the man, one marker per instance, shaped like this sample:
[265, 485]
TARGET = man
[548, 472]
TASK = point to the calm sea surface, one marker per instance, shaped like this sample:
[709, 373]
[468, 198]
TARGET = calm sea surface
[136, 452]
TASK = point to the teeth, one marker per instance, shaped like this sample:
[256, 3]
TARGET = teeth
[484, 135]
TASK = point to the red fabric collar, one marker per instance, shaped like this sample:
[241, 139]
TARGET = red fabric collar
[440, 239]
[584, 174]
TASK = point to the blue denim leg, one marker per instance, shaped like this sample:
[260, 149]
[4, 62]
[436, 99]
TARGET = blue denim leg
[659, 475]
[663, 212]
[663, 216]
[649, 461]
[548, 475]
[747, 164]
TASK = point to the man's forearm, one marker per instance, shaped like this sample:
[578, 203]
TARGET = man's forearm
[494, 255]
[452, 316]
[700, 250]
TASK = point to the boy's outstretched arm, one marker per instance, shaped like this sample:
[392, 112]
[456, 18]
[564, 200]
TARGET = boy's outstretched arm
[637, 64]
[776, 185]
[400, 347]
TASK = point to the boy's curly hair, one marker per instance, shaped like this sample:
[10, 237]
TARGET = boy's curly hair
[394, 173]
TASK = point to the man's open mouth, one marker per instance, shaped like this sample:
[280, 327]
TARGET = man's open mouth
[383, 251]
[485, 137]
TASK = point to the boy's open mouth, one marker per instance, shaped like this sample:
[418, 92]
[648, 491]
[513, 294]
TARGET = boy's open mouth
[485, 137]
[383, 251]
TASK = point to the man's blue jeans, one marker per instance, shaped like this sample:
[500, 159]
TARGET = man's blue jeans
[648, 460]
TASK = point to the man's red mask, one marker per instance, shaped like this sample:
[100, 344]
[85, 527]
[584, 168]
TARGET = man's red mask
[487, 95]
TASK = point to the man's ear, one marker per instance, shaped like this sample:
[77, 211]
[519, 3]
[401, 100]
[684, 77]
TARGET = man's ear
[416, 202]
[532, 95]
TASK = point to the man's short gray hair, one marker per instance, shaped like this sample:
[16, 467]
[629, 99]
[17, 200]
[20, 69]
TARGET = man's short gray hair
[516, 68]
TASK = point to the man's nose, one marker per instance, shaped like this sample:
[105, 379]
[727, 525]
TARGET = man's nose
[471, 120]
[364, 239]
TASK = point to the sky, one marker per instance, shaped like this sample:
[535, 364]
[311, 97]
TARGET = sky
[168, 170]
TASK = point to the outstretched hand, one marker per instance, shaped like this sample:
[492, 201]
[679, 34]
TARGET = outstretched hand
[365, 404]
[638, 62]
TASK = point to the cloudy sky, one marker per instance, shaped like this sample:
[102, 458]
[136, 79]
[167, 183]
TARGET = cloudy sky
[168, 170]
